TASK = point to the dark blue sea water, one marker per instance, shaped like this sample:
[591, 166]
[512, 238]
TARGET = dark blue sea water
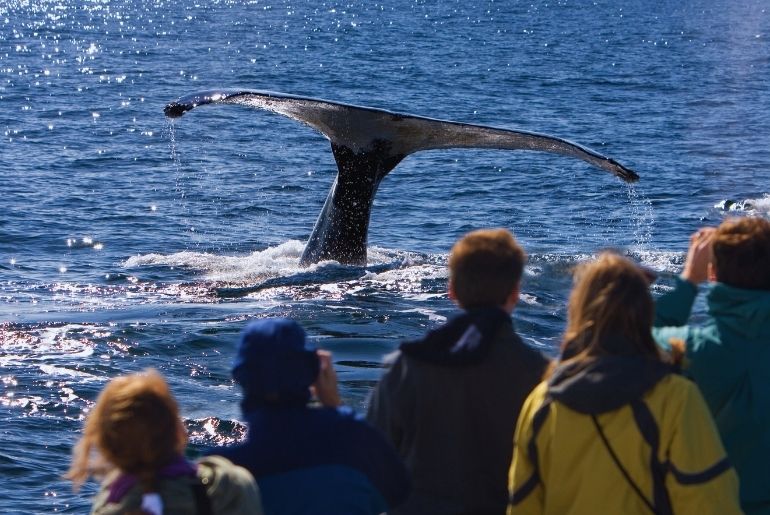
[127, 242]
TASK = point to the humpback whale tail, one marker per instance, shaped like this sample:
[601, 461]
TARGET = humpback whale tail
[367, 144]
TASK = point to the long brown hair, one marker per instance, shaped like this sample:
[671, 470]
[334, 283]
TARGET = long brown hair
[610, 311]
[134, 426]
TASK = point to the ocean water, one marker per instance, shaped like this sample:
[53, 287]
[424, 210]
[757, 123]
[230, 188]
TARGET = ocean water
[129, 242]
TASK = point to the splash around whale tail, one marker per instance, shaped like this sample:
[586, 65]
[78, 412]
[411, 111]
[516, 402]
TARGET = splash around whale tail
[367, 144]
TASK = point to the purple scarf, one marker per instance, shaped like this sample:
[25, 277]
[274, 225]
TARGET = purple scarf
[125, 482]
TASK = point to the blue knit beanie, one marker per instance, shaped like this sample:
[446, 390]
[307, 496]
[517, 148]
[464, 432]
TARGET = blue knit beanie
[273, 364]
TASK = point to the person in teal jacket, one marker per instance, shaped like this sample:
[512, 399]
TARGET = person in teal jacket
[729, 355]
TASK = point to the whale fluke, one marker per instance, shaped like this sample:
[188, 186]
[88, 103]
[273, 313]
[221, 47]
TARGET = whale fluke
[367, 144]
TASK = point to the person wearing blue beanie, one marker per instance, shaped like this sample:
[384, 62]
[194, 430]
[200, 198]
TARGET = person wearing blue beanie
[308, 458]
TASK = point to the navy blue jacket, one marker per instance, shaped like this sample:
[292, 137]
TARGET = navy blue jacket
[319, 461]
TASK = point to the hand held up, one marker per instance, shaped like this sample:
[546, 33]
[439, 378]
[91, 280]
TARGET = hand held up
[325, 386]
[699, 255]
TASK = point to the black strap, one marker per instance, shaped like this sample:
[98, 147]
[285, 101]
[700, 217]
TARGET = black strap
[649, 429]
[202, 501]
[622, 468]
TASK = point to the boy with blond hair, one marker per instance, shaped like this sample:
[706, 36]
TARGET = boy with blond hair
[450, 400]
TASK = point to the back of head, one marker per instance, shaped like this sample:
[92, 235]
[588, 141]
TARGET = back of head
[610, 311]
[485, 267]
[135, 426]
[273, 364]
[742, 253]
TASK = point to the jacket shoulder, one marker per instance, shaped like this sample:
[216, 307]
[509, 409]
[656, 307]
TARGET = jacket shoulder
[510, 339]
[230, 488]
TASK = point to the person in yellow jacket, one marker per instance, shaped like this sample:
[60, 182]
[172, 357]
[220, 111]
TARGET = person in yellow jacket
[614, 429]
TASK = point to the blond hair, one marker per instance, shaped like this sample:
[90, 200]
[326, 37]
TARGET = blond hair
[610, 311]
[485, 267]
[134, 426]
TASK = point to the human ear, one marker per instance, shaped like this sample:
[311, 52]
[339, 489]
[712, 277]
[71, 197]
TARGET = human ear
[451, 291]
[712, 275]
[513, 298]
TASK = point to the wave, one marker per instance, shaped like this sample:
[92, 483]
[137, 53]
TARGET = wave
[215, 432]
[669, 262]
[62, 342]
[281, 261]
[275, 271]
[752, 206]
[276, 261]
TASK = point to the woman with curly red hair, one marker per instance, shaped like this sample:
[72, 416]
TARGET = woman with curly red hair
[134, 438]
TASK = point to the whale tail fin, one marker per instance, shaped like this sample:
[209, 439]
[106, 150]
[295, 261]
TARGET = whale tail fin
[389, 134]
[367, 144]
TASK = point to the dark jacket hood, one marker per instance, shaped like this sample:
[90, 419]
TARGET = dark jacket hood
[464, 340]
[605, 383]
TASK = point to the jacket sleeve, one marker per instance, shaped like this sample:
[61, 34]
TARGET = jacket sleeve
[701, 480]
[706, 359]
[385, 412]
[524, 484]
[231, 488]
[382, 465]
[672, 309]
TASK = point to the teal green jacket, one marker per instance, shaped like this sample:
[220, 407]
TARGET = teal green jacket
[729, 359]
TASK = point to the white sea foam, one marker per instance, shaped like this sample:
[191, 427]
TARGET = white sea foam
[538, 263]
[760, 205]
[281, 261]
[432, 315]
[528, 299]
[752, 206]
[54, 371]
[659, 260]
[46, 347]
[278, 261]
[406, 279]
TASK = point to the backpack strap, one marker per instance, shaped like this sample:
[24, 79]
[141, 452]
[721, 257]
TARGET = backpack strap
[620, 466]
[649, 429]
[537, 423]
[661, 503]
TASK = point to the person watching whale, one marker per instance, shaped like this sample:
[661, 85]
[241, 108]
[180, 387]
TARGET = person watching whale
[134, 439]
[728, 355]
[614, 428]
[307, 459]
[449, 401]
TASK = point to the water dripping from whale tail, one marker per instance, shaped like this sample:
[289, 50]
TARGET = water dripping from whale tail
[367, 144]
